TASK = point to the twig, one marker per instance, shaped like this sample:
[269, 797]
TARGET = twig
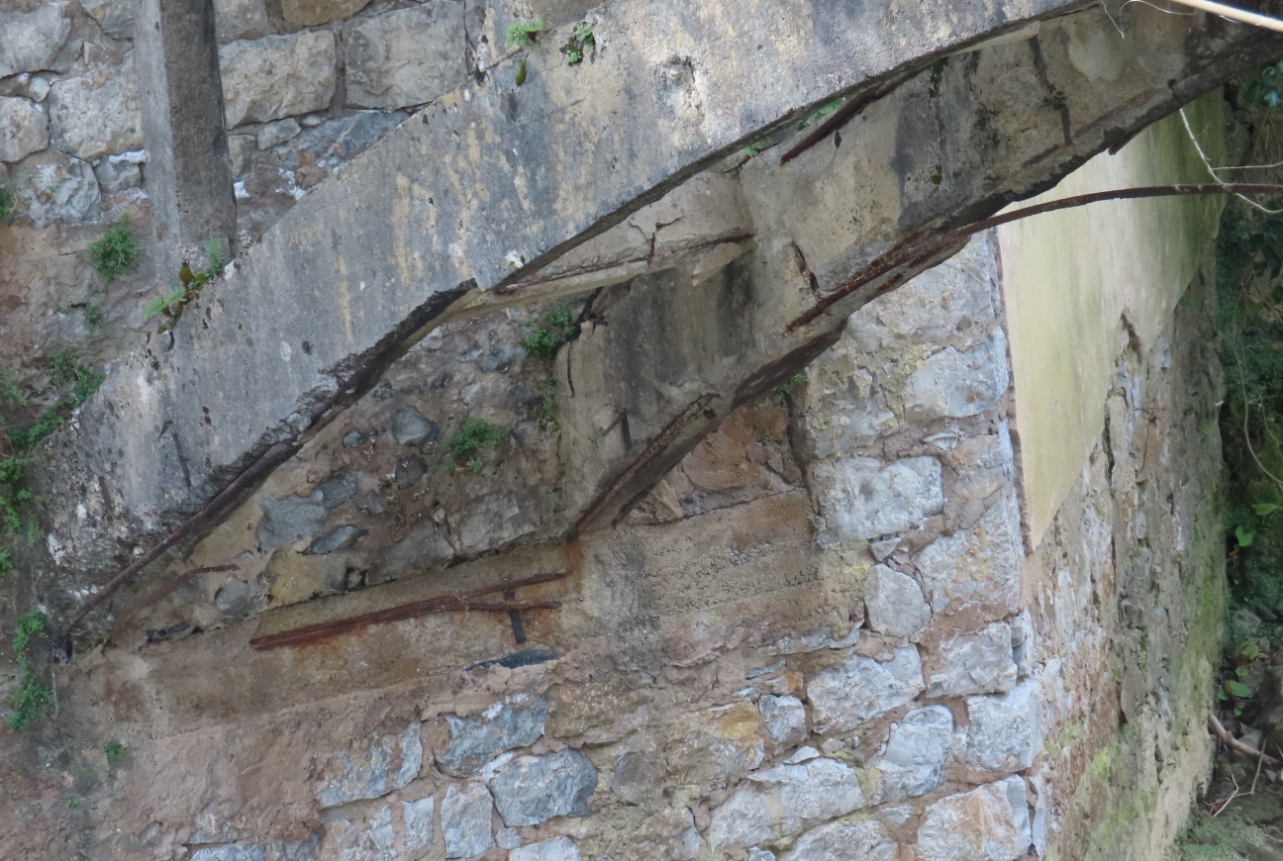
[1219, 730]
[1214, 171]
[1252, 791]
[1221, 805]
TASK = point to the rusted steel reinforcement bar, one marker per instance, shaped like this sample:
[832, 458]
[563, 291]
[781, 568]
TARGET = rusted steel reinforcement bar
[915, 250]
[450, 603]
[849, 111]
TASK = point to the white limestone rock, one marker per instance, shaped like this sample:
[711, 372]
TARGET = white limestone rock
[465, 820]
[865, 497]
[406, 57]
[277, 76]
[556, 849]
[97, 113]
[912, 762]
[844, 697]
[55, 188]
[981, 564]
[975, 663]
[893, 603]
[1006, 731]
[864, 840]
[783, 800]
[956, 384]
[990, 823]
[32, 40]
[785, 718]
[24, 129]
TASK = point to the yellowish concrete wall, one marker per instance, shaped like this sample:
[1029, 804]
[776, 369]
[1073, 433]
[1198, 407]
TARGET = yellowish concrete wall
[1070, 277]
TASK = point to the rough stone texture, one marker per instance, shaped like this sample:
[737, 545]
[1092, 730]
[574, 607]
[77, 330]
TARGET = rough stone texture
[981, 663]
[406, 57]
[533, 789]
[1006, 729]
[410, 427]
[240, 19]
[58, 189]
[865, 840]
[373, 840]
[24, 129]
[389, 763]
[116, 17]
[277, 76]
[978, 566]
[893, 603]
[277, 133]
[863, 497]
[987, 824]
[243, 852]
[465, 819]
[97, 113]
[310, 13]
[33, 39]
[342, 538]
[117, 172]
[292, 518]
[637, 778]
[957, 384]
[416, 817]
[785, 718]
[912, 763]
[783, 799]
[844, 697]
[476, 740]
[556, 849]
[711, 745]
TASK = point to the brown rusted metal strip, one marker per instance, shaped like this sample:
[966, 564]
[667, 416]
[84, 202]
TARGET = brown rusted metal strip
[449, 603]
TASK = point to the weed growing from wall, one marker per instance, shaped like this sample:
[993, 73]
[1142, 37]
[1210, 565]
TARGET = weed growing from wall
[8, 199]
[582, 43]
[548, 334]
[32, 696]
[471, 441]
[190, 286]
[523, 33]
[115, 254]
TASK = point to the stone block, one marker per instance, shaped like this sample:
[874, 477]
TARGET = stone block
[533, 789]
[1006, 730]
[783, 800]
[416, 822]
[32, 40]
[912, 762]
[24, 129]
[637, 778]
[844, 697]
[288, 519]
[339, 140]
[232, 852]
[865, 497]
[115, 17]
[987, 824]
[97, 113]
[465, 820]
[342, 538]
[711, 745]
[310, 13]
[388, 764]
[477, 739]
[240, 19]
[296, 577]
[56, 188]
[758, 854]
[785, 718]
[556, 849]
[410, 427]
[373, 840]
[274, 134]
[954, 384]
[974, 663]
[893, 603]
[981, 564]
[406, 57]
[277, 76]
[120, 171]
[865, 840]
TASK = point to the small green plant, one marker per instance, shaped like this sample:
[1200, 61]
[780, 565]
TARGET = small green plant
[546, 411]
[1266, 89]
[93, 316]
[190, 285]
[523, 33]
[8, 199]
[10, 393]
[163, 303]
[6, 564]
[582, 43]
[114, 254]
[115, 750]
[547, 336]
[471, 439]
[817, 115]
[213, 256]
[32, 695]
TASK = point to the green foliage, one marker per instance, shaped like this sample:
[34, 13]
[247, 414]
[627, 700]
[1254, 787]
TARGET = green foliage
[546, 411]
[190, 285]
[214, 258]
[582, 43]
[523, 33]
[474, 436]
[8, 199]
[163, 303]
[93, 316]
[114, 254]
[6, 564]
[1266, 88]
[815, 116]
[10, 393]
[32, 695]
[547, 336]
[115, 750]
[13, 493]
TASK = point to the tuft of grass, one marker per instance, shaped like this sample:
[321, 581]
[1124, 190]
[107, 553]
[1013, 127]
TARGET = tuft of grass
[8, 199]
[115, 750]
[471, 439]
[546, 336]
[523, 33]
[114, 254]
[32, 695]
[6, 564]
[546, 411]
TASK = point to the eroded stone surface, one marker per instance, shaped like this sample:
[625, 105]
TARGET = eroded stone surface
[533, 789]
[24, 129]
[979, 663]
[980, 565]
[32, 39]
[958, 384]
[894, 603]
[1006, 729]
[291, 518]
[240, 19]
[277, 76]
[785, 718]
[783, 799]
[864, 497]
[865, 840]
[97, 113]
[477, 739]
[556, 849]
[844, 697]
[912, 763]
[389, 763]
[410, 427]
[465, 819]
[54, 188]
[406, 57]
[309, 13]
[987, 824]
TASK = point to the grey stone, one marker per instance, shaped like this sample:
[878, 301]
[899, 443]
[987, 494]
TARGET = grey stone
[410, 472]
[990, 823]
[405, 57]
[310, 13]
[289, 519]
[477, 739]
[1006, 729]
[976, 663]
[240, 153]
[865, 497]
[785, 718]
[556, 849]
[957, 384]
[864, 840]
[342, 538]
[410, 427]
[500, 360]
[883, 548]
[893, 603]
[912, 763]
[844, 697]
[32, 40]
[374, 840]
[115, 17]
[424, 547]
[116, 173]
[637, 778]
[980, 564]
[233, 597]
[233, 852]
[758, 854]
[240, 19]
[416, 820]
[277, 76]
[388, 764]
[533, 789]
[97, 113]
[352, 439]
[336, 141]
[507, 838]
[24, 129]
[295, 850]
[58, 189]
[783, 800]
[336, 490]
[1024, 644]
[465, 820]
[278, 132]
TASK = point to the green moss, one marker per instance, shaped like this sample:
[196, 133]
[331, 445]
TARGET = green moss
[114, 254]
[475, 436]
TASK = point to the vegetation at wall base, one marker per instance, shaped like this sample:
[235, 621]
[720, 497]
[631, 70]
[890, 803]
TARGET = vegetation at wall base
[33, 695]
